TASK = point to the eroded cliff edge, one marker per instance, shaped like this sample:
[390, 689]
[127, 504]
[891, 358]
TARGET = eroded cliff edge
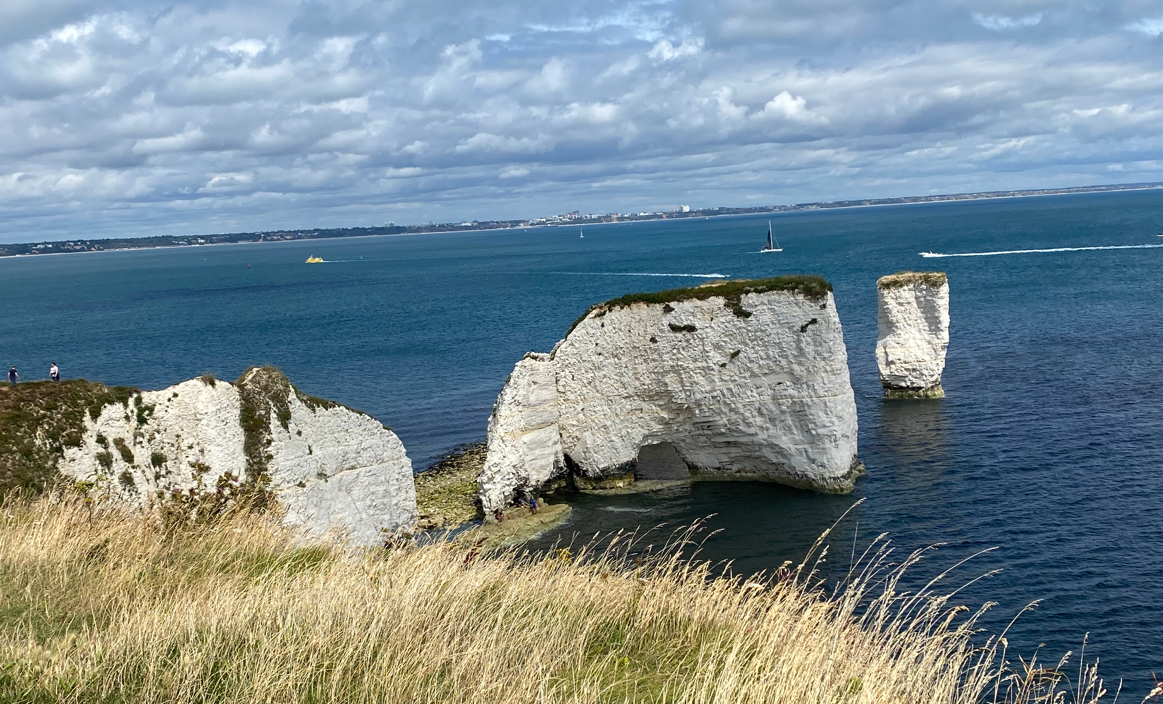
[733, 380]
[206, 442]
[913, 325]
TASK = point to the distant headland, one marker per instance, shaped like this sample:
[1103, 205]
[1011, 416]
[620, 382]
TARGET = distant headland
[574, 218]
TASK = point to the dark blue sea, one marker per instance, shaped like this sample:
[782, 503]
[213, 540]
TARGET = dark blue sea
[1049, 445]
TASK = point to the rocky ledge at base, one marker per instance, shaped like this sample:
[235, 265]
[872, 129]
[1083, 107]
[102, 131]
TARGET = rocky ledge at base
[447, 504]
[913, 324]
[446, 492]
[731, 380]
[205, 443]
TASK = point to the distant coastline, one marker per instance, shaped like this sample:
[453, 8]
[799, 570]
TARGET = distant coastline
[571, 219]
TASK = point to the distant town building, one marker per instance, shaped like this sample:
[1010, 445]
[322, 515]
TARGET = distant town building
[684, 209]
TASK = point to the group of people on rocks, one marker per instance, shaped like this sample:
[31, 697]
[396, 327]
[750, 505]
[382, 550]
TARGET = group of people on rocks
[54, 373]
[525, 499]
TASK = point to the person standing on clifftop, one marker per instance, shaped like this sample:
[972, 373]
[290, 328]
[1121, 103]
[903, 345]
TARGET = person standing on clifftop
[13, 376]
[54, 373]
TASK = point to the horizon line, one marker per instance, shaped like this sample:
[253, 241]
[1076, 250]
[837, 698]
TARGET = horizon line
[581, 220]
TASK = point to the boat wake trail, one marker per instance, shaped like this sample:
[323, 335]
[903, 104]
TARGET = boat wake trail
[633, 273]
[1039, 251]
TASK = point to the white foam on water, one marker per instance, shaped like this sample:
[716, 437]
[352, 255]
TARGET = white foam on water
[622, 509]
[1039, 251]
[351, 261]
[635, 273]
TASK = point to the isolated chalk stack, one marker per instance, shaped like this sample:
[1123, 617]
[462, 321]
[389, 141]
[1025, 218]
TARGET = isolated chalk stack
[913, 318]
[735, 380]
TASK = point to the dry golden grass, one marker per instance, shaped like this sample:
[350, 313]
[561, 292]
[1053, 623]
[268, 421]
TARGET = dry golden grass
[103, 608]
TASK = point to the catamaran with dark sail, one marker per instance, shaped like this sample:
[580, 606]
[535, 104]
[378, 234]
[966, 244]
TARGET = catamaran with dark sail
[772, 243]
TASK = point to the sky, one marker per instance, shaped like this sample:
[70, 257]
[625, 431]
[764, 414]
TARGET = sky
[130, 117]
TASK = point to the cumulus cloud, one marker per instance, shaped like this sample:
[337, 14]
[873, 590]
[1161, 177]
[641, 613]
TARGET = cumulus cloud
[663, 50]
[124, 116]
[787, 107]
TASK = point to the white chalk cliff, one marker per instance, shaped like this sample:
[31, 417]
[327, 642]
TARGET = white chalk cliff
[913, 322]
[524, 439]
[331, 469]
[740, 380]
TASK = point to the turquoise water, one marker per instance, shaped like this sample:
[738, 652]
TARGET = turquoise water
[1048, 445]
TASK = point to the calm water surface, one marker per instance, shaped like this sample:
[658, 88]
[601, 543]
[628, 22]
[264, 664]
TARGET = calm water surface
[1048, 445]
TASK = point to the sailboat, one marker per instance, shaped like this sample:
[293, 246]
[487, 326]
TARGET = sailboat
[582, 235]
[770, 247]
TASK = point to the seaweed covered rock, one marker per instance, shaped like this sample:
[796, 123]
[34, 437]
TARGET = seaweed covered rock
[733, 380]
[205, 443]
[446, 492]
[913, 322]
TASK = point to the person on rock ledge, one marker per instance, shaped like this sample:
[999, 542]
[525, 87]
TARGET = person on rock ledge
[54, 372]
[13, 377]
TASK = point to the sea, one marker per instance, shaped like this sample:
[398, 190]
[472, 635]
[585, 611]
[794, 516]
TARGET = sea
[1047, 452]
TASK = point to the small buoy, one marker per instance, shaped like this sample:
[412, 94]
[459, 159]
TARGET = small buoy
[248, 266]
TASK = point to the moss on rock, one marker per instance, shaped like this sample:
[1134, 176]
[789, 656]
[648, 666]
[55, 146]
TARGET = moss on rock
[262, 391]
[446, 494]
[520, 526]
[933, 392]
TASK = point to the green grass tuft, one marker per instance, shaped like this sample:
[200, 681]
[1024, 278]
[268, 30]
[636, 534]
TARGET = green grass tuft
[123, 450]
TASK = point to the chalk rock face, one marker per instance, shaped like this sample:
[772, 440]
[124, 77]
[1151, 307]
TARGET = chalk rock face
[913, 320]
[330, 468]
[524, 440]
[743, 380]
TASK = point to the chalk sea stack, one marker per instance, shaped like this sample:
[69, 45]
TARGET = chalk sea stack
[913, 322]
[730, 380]
[329, 469]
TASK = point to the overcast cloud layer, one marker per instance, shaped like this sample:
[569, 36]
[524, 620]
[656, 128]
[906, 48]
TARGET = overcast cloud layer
[134, 117]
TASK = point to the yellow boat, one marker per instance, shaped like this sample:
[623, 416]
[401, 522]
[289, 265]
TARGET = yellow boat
[314, 260]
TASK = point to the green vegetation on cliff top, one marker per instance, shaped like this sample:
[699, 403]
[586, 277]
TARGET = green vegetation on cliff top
[38, 420]
[934, 279]
[812, 287]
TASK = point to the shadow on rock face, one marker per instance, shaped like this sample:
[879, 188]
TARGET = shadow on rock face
[660, 461]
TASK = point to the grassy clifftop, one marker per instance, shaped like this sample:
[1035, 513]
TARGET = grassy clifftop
[38, 420]
[810, 286]
[813, 287]
[933, 279]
